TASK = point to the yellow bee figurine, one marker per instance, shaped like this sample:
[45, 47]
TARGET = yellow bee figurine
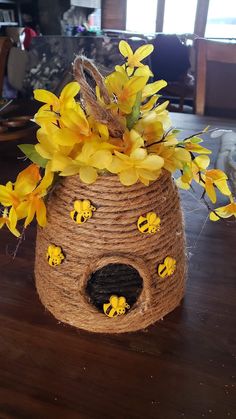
[167, 268]
[83, 210]
[54, 255]
[149, 224]
[116, 306]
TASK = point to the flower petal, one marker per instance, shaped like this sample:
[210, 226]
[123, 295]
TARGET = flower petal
[213, 216]
[116, 165]
[128, 177]
[101, 159]
[30, 212]
[152, 88]
[70, 91]
[223, 187]
[27, 180]
[41, 213]
[152, 162]
[125, 49]
[47, 97]
[138, 154]
[202, 161]
[210, 190]
[143, 51]
[88, 174]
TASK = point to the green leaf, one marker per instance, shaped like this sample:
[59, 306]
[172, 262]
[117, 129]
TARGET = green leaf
[176, 131]
[33, 155]
[196, 140]
[134, 115]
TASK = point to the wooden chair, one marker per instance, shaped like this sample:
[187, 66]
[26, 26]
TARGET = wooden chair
[212, 59]
[5, 46]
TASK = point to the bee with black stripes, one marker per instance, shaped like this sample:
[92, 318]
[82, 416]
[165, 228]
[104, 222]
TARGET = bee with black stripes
[116, 306]
[167, 268]
[83, 210]
[54, 255]
[149, 224]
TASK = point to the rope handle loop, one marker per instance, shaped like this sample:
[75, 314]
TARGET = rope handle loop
[100, 113]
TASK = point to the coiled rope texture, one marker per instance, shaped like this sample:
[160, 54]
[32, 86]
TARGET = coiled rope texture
[111, 236]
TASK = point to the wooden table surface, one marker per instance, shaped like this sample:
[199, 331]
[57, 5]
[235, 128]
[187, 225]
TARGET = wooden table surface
[182, 367]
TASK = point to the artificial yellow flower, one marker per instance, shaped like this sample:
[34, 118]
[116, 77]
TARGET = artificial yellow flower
[93, 156]
[33, 203]
[190, 145]
[138, 165]
[152, 88]
[215, 178]
[159, 116]
[174, 158]
[124, 89]
[24, 198]
[143, 71]
[51, 112]
[134, 58]
[192, 170]
[13, 193]
[9, 218]
[56, 141]
[149, 105]
[76, 120]
[226, 211]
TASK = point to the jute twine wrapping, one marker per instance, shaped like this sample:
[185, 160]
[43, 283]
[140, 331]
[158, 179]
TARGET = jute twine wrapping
[111, 236]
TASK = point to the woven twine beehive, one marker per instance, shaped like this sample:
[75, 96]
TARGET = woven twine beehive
[108, 255]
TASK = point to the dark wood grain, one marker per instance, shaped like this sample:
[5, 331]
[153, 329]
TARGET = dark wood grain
[114, 17]
[182, 367]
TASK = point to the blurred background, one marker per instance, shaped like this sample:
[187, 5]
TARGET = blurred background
[195, 49]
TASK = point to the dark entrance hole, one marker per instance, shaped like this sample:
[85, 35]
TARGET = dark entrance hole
[114, 279]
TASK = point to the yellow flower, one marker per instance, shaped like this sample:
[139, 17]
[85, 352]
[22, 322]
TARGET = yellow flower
[158, 118]
[152, 88]
[13, 193]
[134, 58]
[24, 198]
[55, 106]
[192, 170]
[125, 89]
[149, 105]
[76, 120]
[174, 158]
[190, 145]
[9, 218]
[226, 211]
[139, 165]
[94, 156]
[152, 130]
[33, 204]
[54, 141]
[215, 178]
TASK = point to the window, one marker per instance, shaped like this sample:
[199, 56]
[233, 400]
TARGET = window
[141, 16]
[221, 19]
[179, 16]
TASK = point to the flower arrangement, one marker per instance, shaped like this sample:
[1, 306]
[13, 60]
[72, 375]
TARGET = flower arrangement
[72, 141]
